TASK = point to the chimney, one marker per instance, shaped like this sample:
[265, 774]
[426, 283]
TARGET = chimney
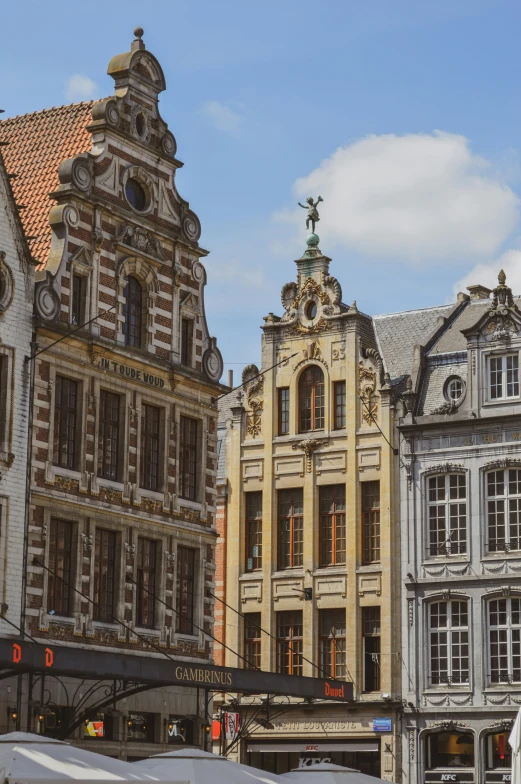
[230, 379]
[479, 292]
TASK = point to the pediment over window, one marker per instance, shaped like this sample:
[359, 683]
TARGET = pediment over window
[502, 321]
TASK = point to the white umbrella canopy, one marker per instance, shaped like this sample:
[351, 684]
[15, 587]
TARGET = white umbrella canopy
[34, 759]
[327, 773]
[514, 741]
[202, 767]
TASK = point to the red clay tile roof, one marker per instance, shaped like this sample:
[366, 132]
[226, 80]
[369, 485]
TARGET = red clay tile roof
[38, 143]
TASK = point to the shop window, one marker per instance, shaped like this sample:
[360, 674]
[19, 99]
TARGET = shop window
[503, 491]
[253, 531]
[132, 312]
[59, 587]
[104, 575]
[339, 394]
[447, 514]
[311, 399]
[504, 621]
[370, 522]
[98, 726]
[185, 590]
[141, 727]
[146, 582]
[290, 528]
[65, 423]
[450, 750]
[332, 504]
[252, 641]
[180, 731]
[289, 642]
[283, 410]
[449, 642]
[498, 751]
[371, 647]
[109, 435]
[187, 340]
[79, 288]
[503, 377]
[150, 426]
[187, 458]
[332, 626]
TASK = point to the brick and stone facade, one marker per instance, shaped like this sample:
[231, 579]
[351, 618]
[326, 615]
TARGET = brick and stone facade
[123, 463]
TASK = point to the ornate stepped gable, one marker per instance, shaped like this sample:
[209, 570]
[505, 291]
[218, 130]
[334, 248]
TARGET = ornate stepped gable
[111, 170]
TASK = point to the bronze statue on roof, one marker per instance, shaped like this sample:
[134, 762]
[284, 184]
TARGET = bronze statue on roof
[311, 207]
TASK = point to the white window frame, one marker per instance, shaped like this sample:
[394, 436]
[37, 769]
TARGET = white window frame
[503, 376]
[451, 633]
[508, 635]
[510, 501]
[449, 506]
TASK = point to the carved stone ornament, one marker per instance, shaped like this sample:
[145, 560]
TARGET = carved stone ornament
[130, 550]
[445, 468]
[367, 390]
[6, 284]
[449, 725]
[170, 559]
[502, 325]
[503, 725]
[253, 385]
[140, 239]
[503, 462]
[47, 302]
[212, 361]
[308, 446]
[191, 226]
[86, 540]
[140, 124]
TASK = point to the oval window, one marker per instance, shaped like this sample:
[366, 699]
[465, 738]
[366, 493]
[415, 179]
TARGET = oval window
[454, 389]
[311, 310]
[136, 194]
[141, 125]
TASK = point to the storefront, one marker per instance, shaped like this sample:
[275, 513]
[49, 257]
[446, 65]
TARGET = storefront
[285, 755]
[467, 757]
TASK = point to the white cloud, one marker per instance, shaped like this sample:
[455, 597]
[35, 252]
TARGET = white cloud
[80, 88]
[223, 118]
[487, 272]
[418, 197]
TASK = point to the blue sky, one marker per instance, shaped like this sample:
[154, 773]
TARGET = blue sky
[404, 114]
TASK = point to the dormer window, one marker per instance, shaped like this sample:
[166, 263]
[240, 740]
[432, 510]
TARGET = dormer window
[504, 377]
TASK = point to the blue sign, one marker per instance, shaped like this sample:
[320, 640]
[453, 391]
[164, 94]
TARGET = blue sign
[382, 725]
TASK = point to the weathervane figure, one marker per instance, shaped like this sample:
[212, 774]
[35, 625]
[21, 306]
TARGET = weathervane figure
[311, 207]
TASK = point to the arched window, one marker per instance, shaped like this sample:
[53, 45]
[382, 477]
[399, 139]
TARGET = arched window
[448, 642]
[503, 490]
[450, 750]
[447, 514]
[311, 399]
[504, 633]
[132, 312]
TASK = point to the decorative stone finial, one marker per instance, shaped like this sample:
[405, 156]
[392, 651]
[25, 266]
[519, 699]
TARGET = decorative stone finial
[312, 240]
[137, 43]
[501, 277]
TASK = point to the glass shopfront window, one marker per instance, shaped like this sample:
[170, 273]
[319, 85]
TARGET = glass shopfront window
[498, 758]
[452, 751]
[283, 756]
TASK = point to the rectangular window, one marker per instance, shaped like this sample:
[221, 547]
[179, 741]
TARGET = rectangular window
[447, 508]
[253, 531]
[504, 510]
[283, 394]
[504, 377]
[332, 627]
[185, 590]
[188, 458]
[150, 447]
[187, 337]
[146, 582]
[332, 503]
[59, 591]
[370, 522]
[65, 423]
[449, 643]
[504, 620]
[371, 644]
[108, 440]
[252, 641]
[291, 528]
[340, 404]
[78, 300]
[289, 642]
[104, 575]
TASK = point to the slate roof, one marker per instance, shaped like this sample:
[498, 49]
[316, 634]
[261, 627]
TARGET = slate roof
[224, 405]
[37, 144]
[397, 334]
[452, 338]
